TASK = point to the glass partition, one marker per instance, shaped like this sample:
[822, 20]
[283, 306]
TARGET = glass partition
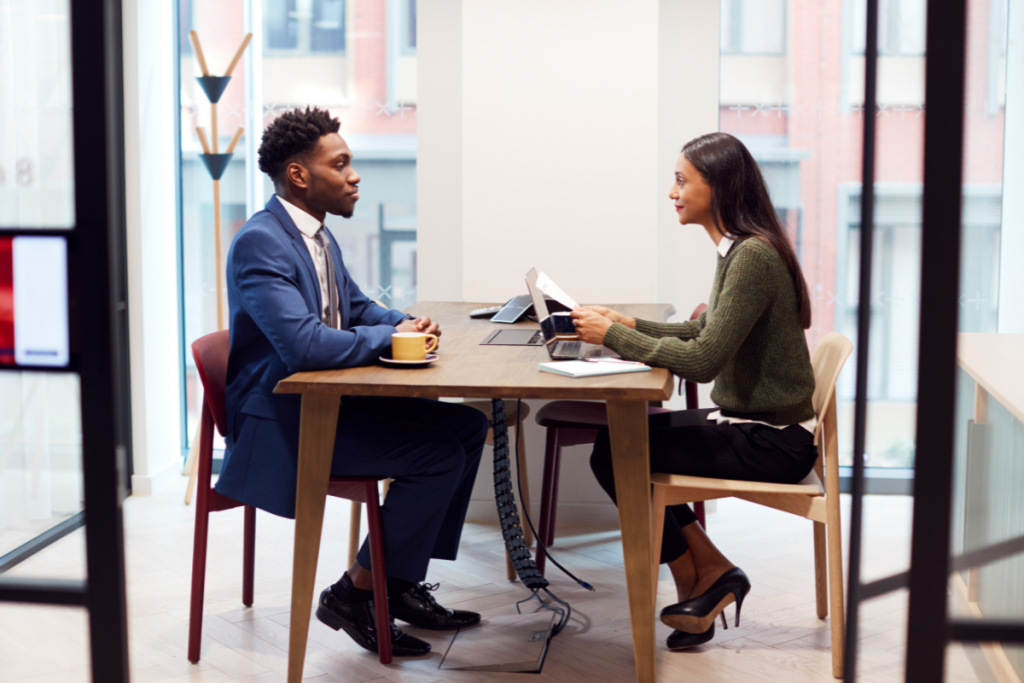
[989, 446]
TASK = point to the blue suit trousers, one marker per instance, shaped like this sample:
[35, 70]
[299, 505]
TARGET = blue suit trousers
[432, 451]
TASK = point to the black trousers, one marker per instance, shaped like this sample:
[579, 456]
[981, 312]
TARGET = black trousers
[431, 450]
[686, 442]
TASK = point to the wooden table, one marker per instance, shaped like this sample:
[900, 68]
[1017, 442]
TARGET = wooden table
[468, 370]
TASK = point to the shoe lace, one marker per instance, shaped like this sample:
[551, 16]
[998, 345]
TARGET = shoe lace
[425, 590]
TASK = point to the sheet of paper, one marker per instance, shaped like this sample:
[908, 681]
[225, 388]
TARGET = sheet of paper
[548, 286]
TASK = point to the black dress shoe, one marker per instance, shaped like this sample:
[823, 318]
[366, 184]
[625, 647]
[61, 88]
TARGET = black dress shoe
[698, 614]
[680, 640]
[359, 621]
[418, 607]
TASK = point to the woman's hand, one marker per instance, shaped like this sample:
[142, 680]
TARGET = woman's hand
[591, 326]
[614, 316]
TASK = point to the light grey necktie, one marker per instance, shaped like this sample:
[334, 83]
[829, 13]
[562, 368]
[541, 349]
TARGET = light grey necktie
[332, 282]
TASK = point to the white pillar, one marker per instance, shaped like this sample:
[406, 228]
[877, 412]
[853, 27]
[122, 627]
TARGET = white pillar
[152, 211]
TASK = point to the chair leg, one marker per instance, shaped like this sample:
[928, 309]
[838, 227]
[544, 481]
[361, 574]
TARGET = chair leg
[193, 469]
[354, 527]
[658, 527]
[820, 569]
[553, 506]
[550, 448]
[199, 541]
[380, 581]
[510, 571]
[195, 616]
[698, 510]
[249, 555]
[835, 539]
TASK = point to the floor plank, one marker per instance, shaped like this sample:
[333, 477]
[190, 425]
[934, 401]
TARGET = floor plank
[780, 640]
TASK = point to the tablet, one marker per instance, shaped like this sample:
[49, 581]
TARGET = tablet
[514, 310]
[516, 337]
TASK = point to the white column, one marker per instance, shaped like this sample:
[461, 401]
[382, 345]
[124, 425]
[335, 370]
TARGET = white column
[152, 246]
[439, 151]
[1011, 247]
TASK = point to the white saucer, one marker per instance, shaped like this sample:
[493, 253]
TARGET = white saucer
[431, 357]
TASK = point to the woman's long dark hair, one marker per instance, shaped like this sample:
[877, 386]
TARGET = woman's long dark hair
[740, 200]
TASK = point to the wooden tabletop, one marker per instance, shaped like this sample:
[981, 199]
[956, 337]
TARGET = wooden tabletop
[996, 362]
[467, 369]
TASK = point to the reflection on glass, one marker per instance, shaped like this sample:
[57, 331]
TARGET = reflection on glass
[40, 454]
[36, 161]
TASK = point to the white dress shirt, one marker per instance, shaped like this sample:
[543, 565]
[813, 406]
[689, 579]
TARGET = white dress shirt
[809, 425]
[309, 226]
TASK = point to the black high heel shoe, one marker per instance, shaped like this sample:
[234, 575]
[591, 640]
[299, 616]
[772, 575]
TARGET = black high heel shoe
[680, 640]
[698, 614]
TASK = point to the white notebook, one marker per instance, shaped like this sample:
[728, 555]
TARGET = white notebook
[580, 368]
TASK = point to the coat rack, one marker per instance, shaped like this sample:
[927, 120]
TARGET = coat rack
[216, 163]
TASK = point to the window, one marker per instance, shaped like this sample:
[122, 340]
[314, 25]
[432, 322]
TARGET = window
[753, 27]
[408, 27]
[900, 27]
[305, 26]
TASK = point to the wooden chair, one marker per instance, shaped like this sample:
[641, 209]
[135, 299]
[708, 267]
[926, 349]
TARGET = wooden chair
[211, 356]
[485, 408]
[576, 423]
[808, 499]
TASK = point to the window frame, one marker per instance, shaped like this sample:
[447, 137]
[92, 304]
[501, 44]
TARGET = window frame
[306, 51]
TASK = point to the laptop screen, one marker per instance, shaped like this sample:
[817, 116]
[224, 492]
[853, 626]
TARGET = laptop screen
[547, 325]
[539, 304]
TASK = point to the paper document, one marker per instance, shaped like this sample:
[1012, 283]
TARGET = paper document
[579, 368]
[548, 286]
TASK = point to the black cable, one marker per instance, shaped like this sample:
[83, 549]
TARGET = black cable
[511, 529]
[526, 513]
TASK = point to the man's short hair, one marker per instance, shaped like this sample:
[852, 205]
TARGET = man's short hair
[292, 136]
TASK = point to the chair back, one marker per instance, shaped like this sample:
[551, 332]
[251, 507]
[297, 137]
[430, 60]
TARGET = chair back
[211, 356]
[828, 361]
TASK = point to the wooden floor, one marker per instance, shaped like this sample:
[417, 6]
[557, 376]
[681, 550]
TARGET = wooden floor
[779, 641]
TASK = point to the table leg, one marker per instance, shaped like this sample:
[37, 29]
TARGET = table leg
[316, 449]
[627, 421]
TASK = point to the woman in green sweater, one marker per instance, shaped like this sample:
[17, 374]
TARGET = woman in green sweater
[751, 343]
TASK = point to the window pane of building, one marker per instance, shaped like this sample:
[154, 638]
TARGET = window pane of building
[763, 26]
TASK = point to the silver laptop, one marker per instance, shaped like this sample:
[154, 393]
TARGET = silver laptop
[560, 349]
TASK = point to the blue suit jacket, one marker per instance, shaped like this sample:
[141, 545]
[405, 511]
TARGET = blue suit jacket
[274, 304]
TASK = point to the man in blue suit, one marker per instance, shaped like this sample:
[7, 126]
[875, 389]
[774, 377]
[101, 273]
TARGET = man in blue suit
[294, 307]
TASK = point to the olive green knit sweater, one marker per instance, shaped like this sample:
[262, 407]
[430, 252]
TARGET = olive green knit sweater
[749, 341]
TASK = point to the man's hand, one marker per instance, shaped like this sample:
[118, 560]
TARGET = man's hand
[614, 316]
[423, 324]
[591, 326]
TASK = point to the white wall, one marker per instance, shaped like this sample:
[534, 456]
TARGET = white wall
[547, 137]
[151, 213]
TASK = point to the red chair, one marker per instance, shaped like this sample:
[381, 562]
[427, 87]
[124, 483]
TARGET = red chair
[211, 356]
[576, 423]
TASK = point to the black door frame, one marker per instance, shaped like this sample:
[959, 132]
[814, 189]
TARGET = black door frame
[929, 629]
[99, 351]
